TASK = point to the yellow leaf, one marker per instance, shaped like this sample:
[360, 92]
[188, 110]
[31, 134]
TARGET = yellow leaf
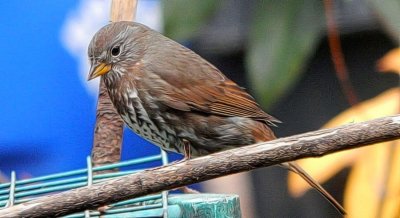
[321, 169]
[390, 62]
[365, 184]
[391, 204]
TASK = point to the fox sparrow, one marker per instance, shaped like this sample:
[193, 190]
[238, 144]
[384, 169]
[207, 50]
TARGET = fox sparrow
[172, 97]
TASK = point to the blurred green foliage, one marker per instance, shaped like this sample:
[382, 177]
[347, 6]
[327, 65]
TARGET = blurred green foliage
[283, 36]
[183, 18]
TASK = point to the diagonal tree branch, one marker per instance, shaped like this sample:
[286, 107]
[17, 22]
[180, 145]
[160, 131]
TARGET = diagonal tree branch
[311, 144]
[337, 56]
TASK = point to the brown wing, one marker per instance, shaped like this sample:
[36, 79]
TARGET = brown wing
[182, 80]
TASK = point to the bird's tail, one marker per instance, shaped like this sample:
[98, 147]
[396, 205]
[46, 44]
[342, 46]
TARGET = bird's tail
[292, 166]
[263, 133]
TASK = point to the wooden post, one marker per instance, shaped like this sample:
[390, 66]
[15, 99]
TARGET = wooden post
[109, 125]
[123, 10]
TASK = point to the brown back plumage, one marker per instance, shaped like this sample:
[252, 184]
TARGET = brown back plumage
[202, 88]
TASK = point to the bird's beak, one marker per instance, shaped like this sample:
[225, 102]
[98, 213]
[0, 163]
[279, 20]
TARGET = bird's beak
[98, 69]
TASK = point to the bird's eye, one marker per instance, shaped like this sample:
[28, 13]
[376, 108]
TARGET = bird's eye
[115, 51]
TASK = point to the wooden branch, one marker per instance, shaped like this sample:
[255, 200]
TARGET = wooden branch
[312, 144]
[109, 125]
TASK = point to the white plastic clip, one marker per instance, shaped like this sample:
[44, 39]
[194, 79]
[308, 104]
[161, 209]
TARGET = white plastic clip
[11, 196]
[89, 179]
[164, 159]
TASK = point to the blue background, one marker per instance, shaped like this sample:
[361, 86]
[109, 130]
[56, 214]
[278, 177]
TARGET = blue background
[46, 114]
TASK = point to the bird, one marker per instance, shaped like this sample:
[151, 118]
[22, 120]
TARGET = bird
[172, 97]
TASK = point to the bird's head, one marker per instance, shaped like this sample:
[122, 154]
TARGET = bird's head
[115, 47]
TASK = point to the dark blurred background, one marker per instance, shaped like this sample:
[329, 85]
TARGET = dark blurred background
[314, 96]
[278, 50]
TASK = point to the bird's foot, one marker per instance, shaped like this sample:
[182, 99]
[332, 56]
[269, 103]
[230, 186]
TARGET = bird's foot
[187, 190]
[103, 209]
